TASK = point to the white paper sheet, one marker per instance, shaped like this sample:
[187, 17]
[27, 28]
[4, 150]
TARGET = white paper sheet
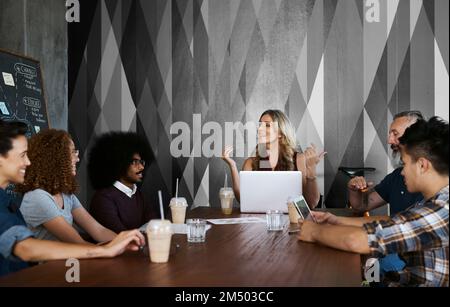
[176, 228]
[8, 79]
[240, 220]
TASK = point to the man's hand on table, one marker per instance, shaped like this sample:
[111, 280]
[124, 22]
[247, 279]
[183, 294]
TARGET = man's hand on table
[308, 227]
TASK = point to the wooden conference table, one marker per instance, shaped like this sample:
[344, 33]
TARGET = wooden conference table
[232, 256]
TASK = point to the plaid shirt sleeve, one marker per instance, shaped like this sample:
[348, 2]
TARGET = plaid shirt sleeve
[420, 227]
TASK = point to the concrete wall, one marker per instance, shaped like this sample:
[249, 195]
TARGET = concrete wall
[38, 29]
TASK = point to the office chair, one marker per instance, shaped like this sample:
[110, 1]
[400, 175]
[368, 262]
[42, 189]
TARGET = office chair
[355, 171]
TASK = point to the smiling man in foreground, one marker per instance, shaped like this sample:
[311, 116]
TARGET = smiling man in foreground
[420, 233]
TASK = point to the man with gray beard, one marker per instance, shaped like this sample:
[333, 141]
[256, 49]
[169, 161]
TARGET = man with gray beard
[391, 190]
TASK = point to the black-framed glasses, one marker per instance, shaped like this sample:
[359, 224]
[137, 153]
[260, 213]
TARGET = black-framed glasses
[136, 162]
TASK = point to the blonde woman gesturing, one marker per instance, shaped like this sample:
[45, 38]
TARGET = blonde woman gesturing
[276, 132]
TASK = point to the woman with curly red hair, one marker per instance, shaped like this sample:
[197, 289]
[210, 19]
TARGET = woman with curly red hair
[49, 205]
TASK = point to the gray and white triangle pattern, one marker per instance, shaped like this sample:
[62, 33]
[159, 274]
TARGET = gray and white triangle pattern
[340, 78]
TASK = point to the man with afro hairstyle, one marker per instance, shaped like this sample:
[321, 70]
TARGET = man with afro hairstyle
[116, 165]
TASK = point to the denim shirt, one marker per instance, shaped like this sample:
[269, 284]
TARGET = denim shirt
[12, 230]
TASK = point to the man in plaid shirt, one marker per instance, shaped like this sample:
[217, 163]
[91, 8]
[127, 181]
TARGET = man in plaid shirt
[420, 233]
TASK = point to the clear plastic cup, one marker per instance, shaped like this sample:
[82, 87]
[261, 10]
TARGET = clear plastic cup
[178, 207]
[274, 219]
[226, 196]
[196, 230]
[159, 234]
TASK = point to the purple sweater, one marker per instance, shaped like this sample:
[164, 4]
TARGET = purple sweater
[118, 212]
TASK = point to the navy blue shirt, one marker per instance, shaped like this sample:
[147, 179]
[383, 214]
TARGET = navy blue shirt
[393, 190]
[13, 229]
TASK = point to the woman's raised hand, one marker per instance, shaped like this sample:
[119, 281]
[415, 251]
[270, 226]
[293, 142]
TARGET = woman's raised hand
[226, 156]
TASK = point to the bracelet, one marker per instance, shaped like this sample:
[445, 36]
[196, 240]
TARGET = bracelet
[311, 178]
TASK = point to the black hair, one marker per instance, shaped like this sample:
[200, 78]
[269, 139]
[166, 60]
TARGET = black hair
[8, 132]
[412, 115]
[111, 156]
[430, 141]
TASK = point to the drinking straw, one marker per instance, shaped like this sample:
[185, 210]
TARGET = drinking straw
[161, 205]
[226, 181]
[176, 190]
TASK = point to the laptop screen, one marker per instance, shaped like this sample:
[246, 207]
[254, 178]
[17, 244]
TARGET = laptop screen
[270, 190]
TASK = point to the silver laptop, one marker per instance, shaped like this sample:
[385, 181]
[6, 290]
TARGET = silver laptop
[262, 191]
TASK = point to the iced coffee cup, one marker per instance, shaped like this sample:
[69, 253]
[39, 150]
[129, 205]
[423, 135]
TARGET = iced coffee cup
[178, 207]
[293, 213]
[226, 196]
[159, 234]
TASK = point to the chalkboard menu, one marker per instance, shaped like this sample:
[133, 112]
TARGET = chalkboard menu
[21, 92]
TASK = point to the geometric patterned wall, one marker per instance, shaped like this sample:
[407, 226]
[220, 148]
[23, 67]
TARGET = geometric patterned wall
[143, 65]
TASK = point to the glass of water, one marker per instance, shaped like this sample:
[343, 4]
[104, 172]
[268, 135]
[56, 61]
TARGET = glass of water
[274, 220]
[196, 230]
